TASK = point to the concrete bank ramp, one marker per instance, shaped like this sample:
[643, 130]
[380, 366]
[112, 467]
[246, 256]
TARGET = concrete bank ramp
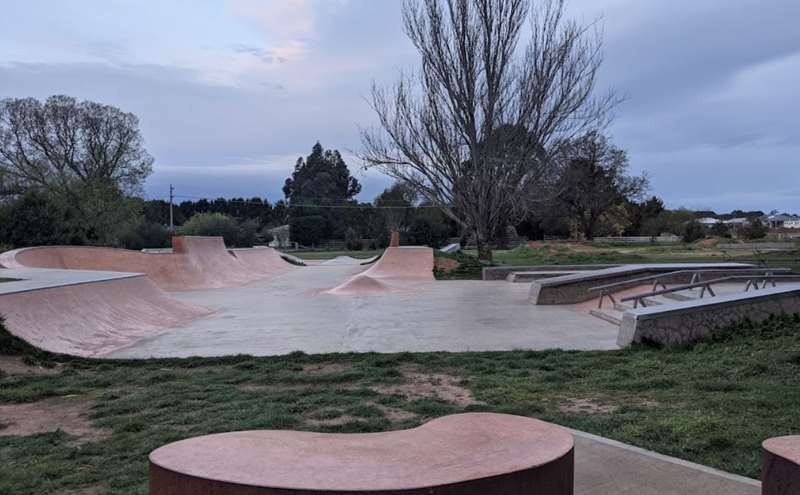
[262, 260]
[398, 268]
[88, 313]
[194, 263]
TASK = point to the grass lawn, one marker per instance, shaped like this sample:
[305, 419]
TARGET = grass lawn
[559, 253]
[327, 255]
[711, 404]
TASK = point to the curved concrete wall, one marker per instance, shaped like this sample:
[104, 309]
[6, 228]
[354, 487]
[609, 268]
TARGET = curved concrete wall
[90, 317]
[401, 264]
[195, 263]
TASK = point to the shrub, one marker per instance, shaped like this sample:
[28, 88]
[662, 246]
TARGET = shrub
[308, 230]
[212, 224]
[248, 233]
[693, 232]
[351, 240]
[756, 230]
[719, 229]
[426, 231]
[143, 235]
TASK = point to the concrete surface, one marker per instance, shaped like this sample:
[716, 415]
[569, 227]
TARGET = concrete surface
[468, 454]
[87, 313]
[290, 312]
[606, 467]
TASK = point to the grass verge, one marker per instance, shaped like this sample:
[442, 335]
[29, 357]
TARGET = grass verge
[712, 403]
[329, 255]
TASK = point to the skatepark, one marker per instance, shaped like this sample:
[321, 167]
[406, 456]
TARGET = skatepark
[204, 300]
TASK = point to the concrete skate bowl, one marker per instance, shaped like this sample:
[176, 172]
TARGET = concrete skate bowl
[397, 270]
[90, 301]
[94, 317]
[194, 263]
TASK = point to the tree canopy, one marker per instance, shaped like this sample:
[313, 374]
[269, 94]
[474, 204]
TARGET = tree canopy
[62, 141]
[318, 190]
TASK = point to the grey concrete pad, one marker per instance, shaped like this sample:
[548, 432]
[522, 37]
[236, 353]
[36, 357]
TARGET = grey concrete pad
[606, 467]
[289, 313]
[29, 279]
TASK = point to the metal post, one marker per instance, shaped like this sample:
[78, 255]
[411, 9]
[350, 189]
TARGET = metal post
[171, 197]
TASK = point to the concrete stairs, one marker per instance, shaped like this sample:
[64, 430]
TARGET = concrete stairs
[614, 314]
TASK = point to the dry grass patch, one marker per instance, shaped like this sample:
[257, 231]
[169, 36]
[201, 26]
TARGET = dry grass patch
[325, 368]
[68, 414]
[90, 490]
[13, 365]
[586, 406]
[420, 385]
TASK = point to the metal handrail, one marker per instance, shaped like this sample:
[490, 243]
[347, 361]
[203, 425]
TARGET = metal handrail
[604, 289]
[752, 281]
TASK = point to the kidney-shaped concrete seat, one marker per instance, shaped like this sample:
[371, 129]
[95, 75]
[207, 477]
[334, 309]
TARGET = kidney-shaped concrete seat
[464, 454]
[780, 474]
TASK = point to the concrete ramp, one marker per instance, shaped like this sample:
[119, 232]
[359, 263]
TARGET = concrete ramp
[393, 272]
[263, 260]
[88, 314]
[409, 263]
[194, 263]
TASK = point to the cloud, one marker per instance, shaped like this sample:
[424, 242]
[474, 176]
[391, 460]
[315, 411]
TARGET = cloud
[287, 27]
[229, 97]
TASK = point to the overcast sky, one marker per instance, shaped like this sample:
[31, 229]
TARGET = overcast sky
[230, 92]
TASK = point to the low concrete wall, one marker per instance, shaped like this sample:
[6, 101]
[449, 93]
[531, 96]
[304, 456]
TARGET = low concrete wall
[502, 272]
[573, 289]
[760, 246]
[643, 239]
[687, 322]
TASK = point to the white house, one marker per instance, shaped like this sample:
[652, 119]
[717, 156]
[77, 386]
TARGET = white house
[708, 221]
[782, 221]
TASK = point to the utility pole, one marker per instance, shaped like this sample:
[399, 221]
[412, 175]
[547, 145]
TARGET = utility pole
[171, 197]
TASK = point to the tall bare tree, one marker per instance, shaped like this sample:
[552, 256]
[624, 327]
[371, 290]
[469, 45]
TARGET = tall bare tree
[474, 129]
[63, 142]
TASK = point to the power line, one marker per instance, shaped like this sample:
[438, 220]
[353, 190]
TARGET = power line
[265, 202]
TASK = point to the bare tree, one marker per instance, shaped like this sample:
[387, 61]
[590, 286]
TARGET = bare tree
[474, 130]
[594, 181]
[63, 142]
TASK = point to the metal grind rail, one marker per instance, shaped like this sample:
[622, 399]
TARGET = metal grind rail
[607, 290]
[706, 286]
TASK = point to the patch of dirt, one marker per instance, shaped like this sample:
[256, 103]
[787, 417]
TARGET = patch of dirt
[341, 420]
[91, 490]
[396, 415]
[256, 388]
[707, 243]
[325, 368]
[586, 406]
[430, 386]
[14, 365]
[68, 414]
[447, 265]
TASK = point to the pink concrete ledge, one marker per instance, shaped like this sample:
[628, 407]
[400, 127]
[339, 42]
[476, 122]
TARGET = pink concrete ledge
[780, 471]
[464, 454]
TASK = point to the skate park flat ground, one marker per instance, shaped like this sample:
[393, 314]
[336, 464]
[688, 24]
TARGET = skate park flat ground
[291, 312]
